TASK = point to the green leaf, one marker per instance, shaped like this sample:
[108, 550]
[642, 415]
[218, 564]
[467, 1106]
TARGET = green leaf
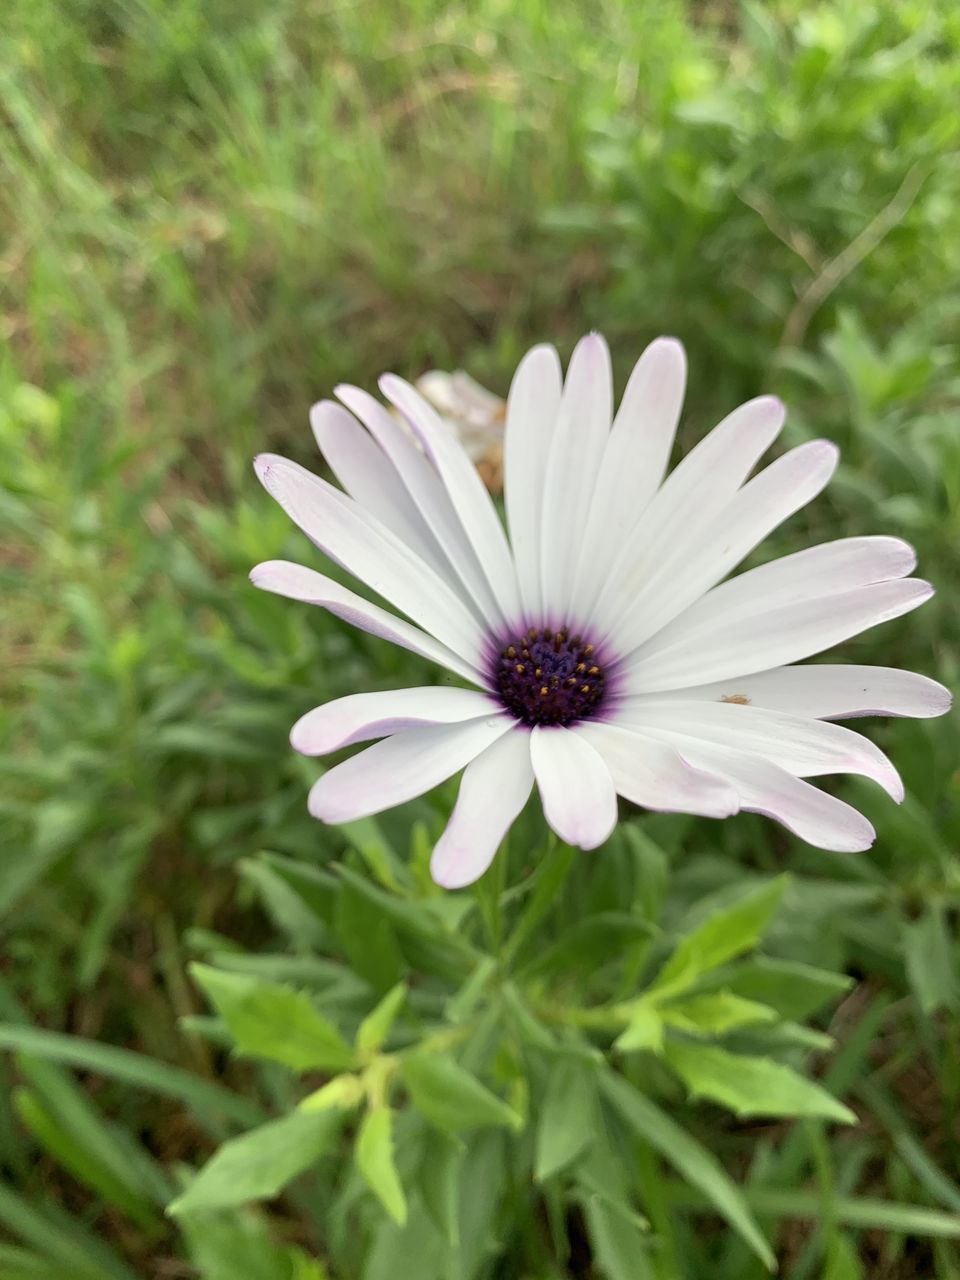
[374, 1156]
[619, 1235]
[589, 942]
[549, 875]
[59, 1237]
[697, 1165]
[841, 1261]
[721, 937]
[715, 1013]
[932, 961]
[568, 1119]
[209, 1102]
[862, 1212]
[232, 1243]
[368, 938]
[439, 1177]
[375, 1027]
[102, 1144]
[272, 1020]
[259, 1164]
[794, 989]
[450, 1097]
[643, 1031]
[80, 1161]
[751, 1086]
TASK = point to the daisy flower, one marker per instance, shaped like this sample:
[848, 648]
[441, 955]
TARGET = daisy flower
[608, 650]
[475, 414]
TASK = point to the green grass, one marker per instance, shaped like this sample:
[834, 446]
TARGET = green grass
[210, 213]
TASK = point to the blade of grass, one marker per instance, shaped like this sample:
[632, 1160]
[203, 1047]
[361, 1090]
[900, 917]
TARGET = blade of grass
[210, 1103]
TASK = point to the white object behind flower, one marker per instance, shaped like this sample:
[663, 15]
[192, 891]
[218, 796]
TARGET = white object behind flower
[608, 654]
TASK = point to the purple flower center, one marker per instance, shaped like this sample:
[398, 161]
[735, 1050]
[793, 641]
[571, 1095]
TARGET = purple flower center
[548, 677]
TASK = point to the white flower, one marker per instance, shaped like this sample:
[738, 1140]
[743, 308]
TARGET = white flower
[608, 654]
[472, 412]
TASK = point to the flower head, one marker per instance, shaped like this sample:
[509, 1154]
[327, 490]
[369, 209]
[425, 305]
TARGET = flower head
[609, 652]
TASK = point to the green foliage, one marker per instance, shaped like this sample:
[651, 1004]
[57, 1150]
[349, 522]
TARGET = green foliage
[374, 1155]
[270, 1020]
[258, 1165]
[212, 214]
[450, 1097]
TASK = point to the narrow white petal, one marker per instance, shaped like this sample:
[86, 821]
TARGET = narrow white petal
[813, 815]
[427, 493]
[829, 691]
[826, 570]
[470, 498]
[402, 767]
[357, 541]
[494, 788]
[297, 582]
[368, 475]
[576, 452]
[805, 747]
[694, 565]
[361, 716]
[579, 798]
[726, 645]
[634, 459]
[533, 407]
[655, 776]
[698, 488]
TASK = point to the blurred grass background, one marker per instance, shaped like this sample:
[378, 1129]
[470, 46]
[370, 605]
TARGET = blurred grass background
[211, 211]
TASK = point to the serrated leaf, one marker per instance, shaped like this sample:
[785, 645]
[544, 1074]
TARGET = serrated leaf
[450, 1098]
[721, 937]
[374, 1156]
[259, 1164]
[375, 1027]
[567, 1122]
[272, 1020]
[751, 1086]
[643, 1031]
[696, 1165]
[716, 1012]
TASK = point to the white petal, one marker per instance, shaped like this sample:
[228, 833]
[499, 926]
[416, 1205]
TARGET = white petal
[824, 570]
[813, 815]
[829, 691]
[427, 494]
[697, 489]
[367, 474]
[532, 410]
[802, 746]
[357, 541]
[579, 798]
[727, 645]
[402, 767]
[576, 452]
[297, 582]
[655, 776]
[494, 788]
[470, 498]
[693, 566]
[635, 457]
[361, 716]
